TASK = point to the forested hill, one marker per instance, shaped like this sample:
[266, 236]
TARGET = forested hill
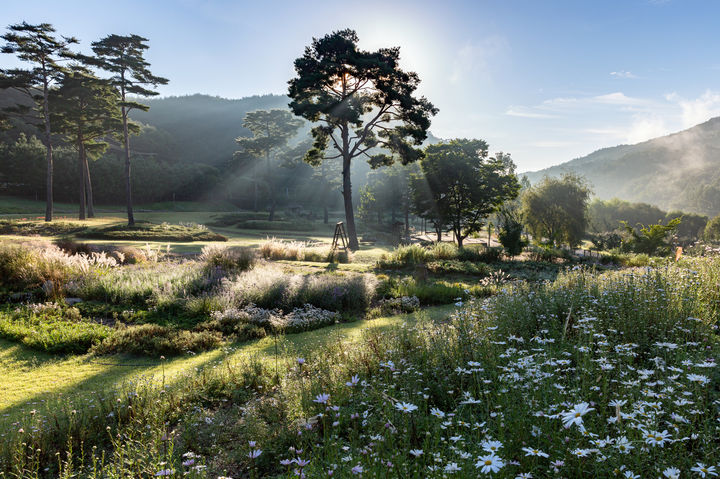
[184, 151]
[199, 128]
[680, 171]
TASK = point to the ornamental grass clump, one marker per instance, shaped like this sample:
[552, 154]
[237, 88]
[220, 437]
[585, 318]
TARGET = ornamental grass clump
[30, 265]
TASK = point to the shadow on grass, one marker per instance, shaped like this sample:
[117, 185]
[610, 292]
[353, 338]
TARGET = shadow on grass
[85, 376]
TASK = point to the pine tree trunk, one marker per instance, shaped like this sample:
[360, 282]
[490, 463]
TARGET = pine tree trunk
[347, 197]
[255, 188]
[81, 171]
[88, 189]
[271, 188]
[48, 155]
[128, 184]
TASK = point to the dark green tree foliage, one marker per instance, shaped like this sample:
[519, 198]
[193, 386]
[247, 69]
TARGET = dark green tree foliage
[38, 46]
[123, 57]
[712, 229]
[326, 178]
[271, 131]
[363, 101]
[22, 166]
[466, 185]
[556, 209]
[425, 206]
[691, 227]
[607, 215]
[85, 111]
[510, 229]
[651, 239]
[388, 194]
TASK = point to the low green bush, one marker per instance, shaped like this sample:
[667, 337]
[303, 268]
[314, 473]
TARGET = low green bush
[458, 267]
[42, 228]
[143, 231]
[156, 340]
[52, 328]
[409, 255]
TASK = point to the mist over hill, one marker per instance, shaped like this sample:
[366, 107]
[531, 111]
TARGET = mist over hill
[184, 151]
[680, 171]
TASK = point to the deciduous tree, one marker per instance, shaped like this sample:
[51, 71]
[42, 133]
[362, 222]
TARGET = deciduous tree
[556, 209]
[465, 184]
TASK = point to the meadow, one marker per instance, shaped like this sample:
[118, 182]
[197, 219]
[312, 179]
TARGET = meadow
[264, 354]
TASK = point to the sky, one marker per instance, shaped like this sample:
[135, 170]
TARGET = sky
[546, 81]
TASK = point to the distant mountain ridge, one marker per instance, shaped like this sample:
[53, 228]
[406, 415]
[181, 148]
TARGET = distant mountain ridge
[680, 171]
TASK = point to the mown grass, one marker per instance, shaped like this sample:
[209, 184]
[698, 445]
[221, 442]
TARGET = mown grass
[38, 387]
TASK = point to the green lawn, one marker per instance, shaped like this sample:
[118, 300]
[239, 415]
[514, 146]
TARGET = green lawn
[33, 380]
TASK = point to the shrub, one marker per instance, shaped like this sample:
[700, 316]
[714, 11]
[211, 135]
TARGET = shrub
[607, 240]
[403, 304]
[254, 322]
[444, 251]
[275, 249]
[155, 340]
[548, 254]
[143, 283]
[270, 287]
[52, 328]
[226, 259]
[459, 267]
[651, 239]
[33, 265]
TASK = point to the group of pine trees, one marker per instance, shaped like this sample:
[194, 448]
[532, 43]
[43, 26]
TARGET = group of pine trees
[66, 97]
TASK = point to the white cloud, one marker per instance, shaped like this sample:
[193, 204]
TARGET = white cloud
[698, 110]
[623, 74]
[616, 98]
[525, 113]
[619, 98]
[646, 127]
[552, 144]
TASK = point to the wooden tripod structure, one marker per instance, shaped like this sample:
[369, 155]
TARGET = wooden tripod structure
[339, 237]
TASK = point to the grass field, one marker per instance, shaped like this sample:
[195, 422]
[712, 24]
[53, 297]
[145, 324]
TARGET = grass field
[33, 380]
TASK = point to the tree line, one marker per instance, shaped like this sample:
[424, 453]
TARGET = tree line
[66, 97]
[358, 105]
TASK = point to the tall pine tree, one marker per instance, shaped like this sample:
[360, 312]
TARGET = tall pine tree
[85, 110]
[123, 57]
[38, 46]
[363, 101]
[271, 129]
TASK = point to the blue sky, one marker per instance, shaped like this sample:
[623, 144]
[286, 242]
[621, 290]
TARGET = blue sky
[547, 81]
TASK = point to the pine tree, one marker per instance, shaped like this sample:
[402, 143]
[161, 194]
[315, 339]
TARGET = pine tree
[85, 109]
[38, 46]
[363, 101]
[271, 129]
[122, 56]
